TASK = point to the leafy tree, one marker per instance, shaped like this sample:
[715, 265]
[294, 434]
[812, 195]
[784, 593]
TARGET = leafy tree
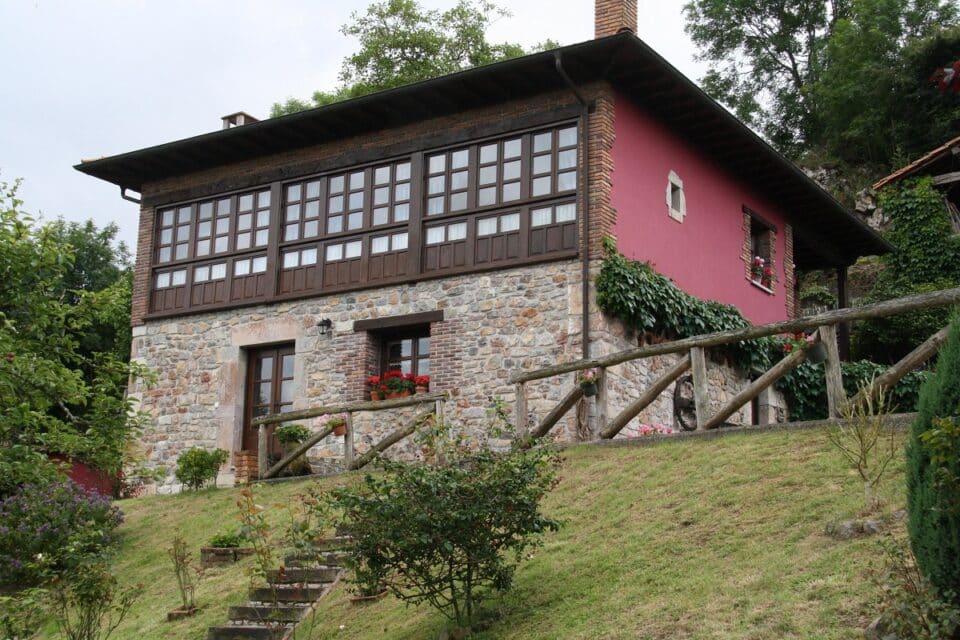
[934, 511]
[402, 42]
[814, 73]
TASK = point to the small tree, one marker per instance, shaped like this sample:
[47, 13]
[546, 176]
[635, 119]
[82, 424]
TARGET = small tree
[864, 439]
[187, 574]
[198, 466]
[933, 455]
[89, 603]
[447, 534]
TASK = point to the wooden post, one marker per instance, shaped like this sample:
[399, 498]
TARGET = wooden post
[601, 399]
[558, 412]
[620, 421]
[701, 395]
[843, 328]
[779, 370]
[348, 453]
[523, 428]
[836, 395]
[261, 451]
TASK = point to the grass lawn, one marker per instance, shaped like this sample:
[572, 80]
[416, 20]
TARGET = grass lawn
[719, 538]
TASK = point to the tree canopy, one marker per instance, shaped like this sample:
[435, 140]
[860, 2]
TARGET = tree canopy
[845, 77]
[401, 42]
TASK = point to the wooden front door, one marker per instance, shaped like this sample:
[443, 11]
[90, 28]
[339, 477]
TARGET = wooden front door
[269, 389]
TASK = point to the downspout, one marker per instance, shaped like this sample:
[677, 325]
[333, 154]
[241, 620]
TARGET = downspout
[585, 191]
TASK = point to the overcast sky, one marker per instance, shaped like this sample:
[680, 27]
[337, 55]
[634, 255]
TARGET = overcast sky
[91, 78]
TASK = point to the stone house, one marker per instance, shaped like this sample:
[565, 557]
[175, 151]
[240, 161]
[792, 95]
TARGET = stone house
[452, 227]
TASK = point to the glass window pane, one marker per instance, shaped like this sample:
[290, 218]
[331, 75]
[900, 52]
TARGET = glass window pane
[201, 274]
[542, 142]
[402, 172]
[336, 184]
[218, 271]
[223, 226]
[510, 222]
[438, 163]
[178, 278]
[458, 159]
[457, 231]
[224, 206]
[266, 373]
[381, 195]
[488, 153]
[293, 213]
[511, 148]
[163, 280]
[311, 229]
[567, 159]
[244, 221]
[181, 251]
[398, 241]
[263, 218]
[380, 245]
[381, 215]
[246, 202]
[566, 212]
[541, 164]
[308, 257]
[183, 233]
[243, 241]
[488, 175]
[486, 227]
[241, 267]
[203, 248]
[567, 181]
[355, 220]
[220, 244]
[567, 137]
[435, 235]
[206, 210]
[265, 390]
[458, 201]
[336, 204]
[168, 218]
[406, 348]
[458, 180]
[381, 175]
[353, 249]
[511, 170]
[164, 255]
[406, 367]
[291, 232]
[423, 346]
[335, 224]
[541, 186]
[184, 215]
[204, 229]
[166, 236]
[435, 205]
[511, 191]
[401, 212]
[291, 259]
[437, 184]
[401, 192]
[356, 200]
[423, 366]
[286, 366]
[541, 217]
[311, 209]
[313, 189]
[262, 237]
[259, 264]
[263, 199]
[356, 180]
[293, 193]
[334, 252]
[487, 196]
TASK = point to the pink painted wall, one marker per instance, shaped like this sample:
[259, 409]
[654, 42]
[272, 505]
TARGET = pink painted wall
[703, 253]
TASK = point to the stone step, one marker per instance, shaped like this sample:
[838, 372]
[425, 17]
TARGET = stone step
[287, 594]
[314, 575]
[246, 632]
[307, 559]
[336, 543]
[263, 613]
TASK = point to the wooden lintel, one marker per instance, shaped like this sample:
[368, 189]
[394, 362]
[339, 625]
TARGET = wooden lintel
[779, 370]
[634, 408]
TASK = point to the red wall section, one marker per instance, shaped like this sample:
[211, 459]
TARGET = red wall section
[702, 254]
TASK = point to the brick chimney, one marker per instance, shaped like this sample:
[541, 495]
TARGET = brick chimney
[613, 16]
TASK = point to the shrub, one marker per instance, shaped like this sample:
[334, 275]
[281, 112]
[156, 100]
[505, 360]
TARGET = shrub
[89, 603]
[448, 533]
[292, 433]
[198, 466]
[911, 607]
[934, 519]
[230, 540]
[52, 528]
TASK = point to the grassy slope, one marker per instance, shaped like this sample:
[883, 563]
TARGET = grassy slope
[685, 539]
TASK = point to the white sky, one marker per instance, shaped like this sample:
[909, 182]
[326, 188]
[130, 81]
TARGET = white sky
[85, 78]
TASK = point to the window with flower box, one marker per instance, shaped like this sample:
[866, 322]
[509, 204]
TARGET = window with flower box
[762, 242]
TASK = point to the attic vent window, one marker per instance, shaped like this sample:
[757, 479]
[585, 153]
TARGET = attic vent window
[676, 201]
[237, 119]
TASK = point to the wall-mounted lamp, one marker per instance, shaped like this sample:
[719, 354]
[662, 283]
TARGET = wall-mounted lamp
[325, 325]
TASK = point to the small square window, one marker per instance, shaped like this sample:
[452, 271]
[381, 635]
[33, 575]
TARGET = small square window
[334, 252]
[178, 278]
[486, 227]
[438, 163]
[380, 245]
[163, 280]
[435, 235]
[566, 212]
[241, 268]
[510, 222]
[291, 259]
[457, 231]
[259, 264]
[541, 217]
[218, 271]
[336, 184]
[353, 249]
[308, 256]
[402, 172]
[458, 159]
[398, 241]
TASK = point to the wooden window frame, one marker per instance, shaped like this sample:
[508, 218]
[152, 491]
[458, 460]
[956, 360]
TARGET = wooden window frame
[415, 334]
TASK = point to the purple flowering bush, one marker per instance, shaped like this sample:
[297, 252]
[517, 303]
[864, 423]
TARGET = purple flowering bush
[48, 528]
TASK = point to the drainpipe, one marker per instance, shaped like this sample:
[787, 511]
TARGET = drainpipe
[123, 194]
[585, 190]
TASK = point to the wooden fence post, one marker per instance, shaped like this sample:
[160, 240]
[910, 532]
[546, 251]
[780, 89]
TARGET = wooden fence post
[348, 453]
[701, 396]
[523, 428]
[261, 451]
[602, 385]
[836, 396]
